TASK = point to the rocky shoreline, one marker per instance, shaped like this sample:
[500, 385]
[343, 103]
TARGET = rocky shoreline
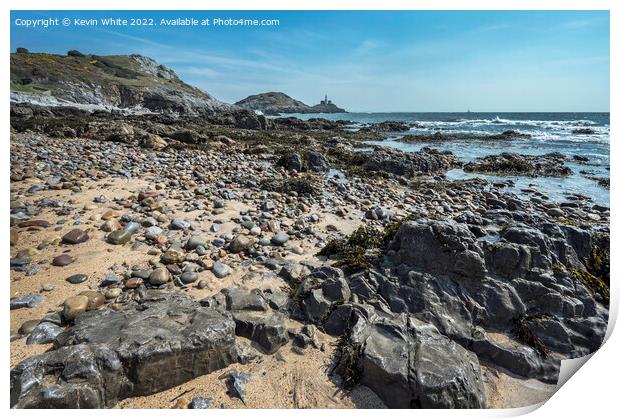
[150, 251]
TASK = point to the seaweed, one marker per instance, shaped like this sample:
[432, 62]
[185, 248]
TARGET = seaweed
[596, 275]
[596, 286]
[523, 332]
[352, 253]
[347, 362]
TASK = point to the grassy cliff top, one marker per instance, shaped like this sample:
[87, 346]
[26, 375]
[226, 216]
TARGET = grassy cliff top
[38, 72]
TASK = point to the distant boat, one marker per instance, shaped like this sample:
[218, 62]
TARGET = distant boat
[468, 111]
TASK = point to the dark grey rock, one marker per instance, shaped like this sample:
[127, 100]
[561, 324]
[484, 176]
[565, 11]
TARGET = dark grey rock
[236, 382]
[221, 270]
[409, 364]
[30, 301]
[180, 224]
[106, 356]
[77, 278]
[201, 403]
[268, 330]
[238, 299]
[44, 333]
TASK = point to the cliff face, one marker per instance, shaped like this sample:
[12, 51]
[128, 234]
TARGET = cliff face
[273, 103]
[126, 82]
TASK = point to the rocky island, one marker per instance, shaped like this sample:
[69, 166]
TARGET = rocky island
[275, 103]
[170, 250]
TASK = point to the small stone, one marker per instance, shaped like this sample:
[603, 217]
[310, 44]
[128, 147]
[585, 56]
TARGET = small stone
[239, 244]
[201, 284]
[62, 260]
[195, 241]
[141, 273]
[30, 301]
[189, 277]
[133, 283]
[173, 255]
[200, 403]
[255, 231]
[111, 225]
[221, 270]
[159, 276]
[74, 306]
[28, 326]
[152, 232]
[112, 293]
[95, 299]
[43, 333]
[110, 279]
[279, 239]
[555, 212]
[236, 382]
[77, 278]
[108, 215]
[75, 236]
[34, 223]
[180, 224]
[119, 237]
[47, 287]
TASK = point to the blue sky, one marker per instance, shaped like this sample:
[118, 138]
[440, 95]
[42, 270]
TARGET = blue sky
[368, 61]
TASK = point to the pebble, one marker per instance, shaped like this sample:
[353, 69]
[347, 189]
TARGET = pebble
[28, 326]
[77, 278]
[62, 260]
[279, 239]
[119, 237]
[221, 270]
[75, 236]
[108, 215]
[189, 277]
[95, 299]
[195, 241]
[200, 403]
[74, 306]
[159, 276]
[180, 224]
[112, 293]
[133, 283]
[239, 244]
[173, 255]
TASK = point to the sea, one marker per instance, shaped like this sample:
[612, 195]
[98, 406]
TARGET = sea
[550, 131]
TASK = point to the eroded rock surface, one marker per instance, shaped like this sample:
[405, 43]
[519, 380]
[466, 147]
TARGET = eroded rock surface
[111, 355]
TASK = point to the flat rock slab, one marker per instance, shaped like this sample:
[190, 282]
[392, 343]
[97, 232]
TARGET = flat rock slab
[152, 345]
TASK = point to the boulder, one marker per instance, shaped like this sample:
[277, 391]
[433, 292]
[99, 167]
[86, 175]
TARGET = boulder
[111, 355]
[409, 364]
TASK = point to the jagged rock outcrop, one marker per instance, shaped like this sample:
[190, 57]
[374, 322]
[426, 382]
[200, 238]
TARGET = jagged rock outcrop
[514, 285]
[111, 355]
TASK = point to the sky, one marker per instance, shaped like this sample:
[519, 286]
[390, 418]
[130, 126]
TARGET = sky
[397, 61]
